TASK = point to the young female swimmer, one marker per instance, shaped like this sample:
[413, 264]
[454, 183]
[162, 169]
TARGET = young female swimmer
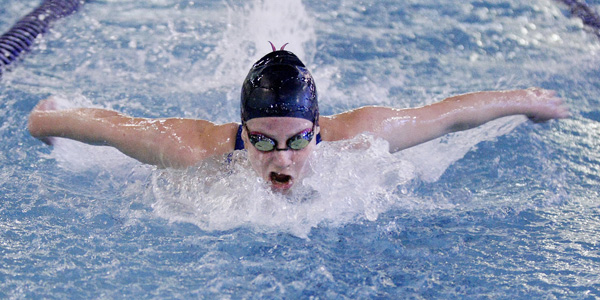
[280, 123]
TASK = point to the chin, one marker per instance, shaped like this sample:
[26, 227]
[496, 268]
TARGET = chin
[280, 190]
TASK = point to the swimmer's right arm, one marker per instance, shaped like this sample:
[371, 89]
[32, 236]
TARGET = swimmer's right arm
[172, 142]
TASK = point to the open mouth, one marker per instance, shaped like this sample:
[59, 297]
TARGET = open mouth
[280, 180]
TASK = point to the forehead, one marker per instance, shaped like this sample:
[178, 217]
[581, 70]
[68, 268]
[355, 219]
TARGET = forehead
[278, 124]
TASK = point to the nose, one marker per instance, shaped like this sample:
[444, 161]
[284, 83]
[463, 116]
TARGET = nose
[282, 159]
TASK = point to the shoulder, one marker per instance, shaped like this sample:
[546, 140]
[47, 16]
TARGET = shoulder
[192, 141]
[218, 138]
[350, 123]
[198, 127]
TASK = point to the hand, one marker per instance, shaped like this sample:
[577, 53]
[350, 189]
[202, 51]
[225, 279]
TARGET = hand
[42, 106]
[545, 105]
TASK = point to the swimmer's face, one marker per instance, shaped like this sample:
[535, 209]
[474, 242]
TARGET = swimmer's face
[281, 169]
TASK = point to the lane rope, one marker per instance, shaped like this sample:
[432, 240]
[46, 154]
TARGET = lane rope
[19, 38]
[587, 14]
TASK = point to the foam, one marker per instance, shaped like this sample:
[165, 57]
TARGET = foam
[245, 39]
[218, 195]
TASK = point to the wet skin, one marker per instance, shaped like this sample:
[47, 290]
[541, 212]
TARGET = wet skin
[280, 169]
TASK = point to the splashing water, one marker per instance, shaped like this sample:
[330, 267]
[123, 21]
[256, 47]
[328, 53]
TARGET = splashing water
[226, 193]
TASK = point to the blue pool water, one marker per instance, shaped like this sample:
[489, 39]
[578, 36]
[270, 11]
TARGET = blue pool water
[508, 210]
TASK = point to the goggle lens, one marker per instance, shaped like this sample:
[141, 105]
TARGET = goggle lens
[263, 144]
[266, 144]
[299, 142]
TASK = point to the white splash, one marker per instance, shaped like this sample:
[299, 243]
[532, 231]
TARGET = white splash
[245, 39]
[361, 183]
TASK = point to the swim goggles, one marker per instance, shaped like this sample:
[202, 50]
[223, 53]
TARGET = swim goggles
[264, 143]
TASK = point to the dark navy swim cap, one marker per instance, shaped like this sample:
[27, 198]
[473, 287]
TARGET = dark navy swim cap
[279, 85]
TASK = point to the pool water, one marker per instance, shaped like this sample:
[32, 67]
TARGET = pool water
[507, 210]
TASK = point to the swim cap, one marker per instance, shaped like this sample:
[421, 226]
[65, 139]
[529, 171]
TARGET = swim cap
[279, 85]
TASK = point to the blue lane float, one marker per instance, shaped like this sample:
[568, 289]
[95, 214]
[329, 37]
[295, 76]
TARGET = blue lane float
[22, 35]
[587, 14]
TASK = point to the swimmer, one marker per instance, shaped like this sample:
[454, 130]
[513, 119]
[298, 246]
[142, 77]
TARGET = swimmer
[280, 123]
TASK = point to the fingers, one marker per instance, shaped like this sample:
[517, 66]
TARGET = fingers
[36, 122]
[558, 107]
[546, 105]
[563, 112]
[46, 104]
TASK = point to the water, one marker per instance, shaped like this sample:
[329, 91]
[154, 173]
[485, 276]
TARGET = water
[508, 210]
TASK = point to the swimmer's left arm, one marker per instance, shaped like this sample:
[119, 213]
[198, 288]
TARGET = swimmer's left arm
[404, 128]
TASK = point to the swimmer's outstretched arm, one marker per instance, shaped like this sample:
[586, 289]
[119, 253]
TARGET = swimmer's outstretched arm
[163, 142]
[404, 128]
